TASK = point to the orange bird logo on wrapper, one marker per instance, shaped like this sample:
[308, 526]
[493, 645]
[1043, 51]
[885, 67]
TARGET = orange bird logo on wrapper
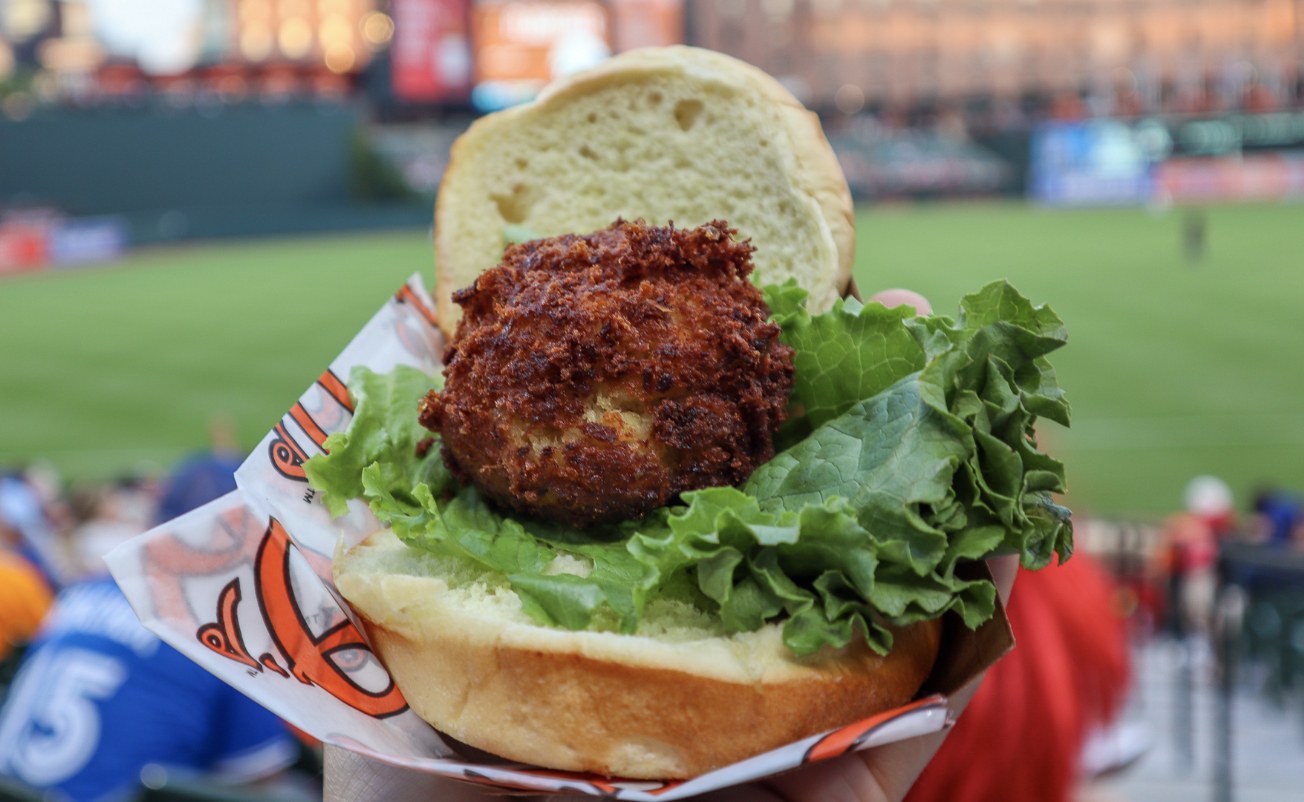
[224, 637]
[286, 455]
[405, 295]
[336, 389]
[311, 659]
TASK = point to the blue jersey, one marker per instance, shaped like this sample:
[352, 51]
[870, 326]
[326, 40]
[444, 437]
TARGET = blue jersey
[99, 697]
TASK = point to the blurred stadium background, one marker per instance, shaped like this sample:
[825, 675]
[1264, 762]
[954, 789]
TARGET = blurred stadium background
[131, 123]
[202, 200]
[1174, 370]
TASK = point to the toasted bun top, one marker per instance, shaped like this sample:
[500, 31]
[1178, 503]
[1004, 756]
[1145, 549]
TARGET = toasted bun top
[674, 134]
[678, 698]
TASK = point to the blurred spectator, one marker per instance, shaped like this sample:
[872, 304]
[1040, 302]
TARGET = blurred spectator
[205, 476]
[1210, 499]
[24, 596]
[1190, 551]
[110, 516]
[1067, 106]
[99, 699]
[23, 513]
[1023, 735]
[1277, 515]
[44, 480]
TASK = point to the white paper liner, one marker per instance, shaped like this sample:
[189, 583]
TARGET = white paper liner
[242, 586]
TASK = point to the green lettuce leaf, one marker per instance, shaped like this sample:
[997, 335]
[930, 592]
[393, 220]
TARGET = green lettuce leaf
[911, 449]
[848, 354]
[946, 442]
[516, 233]
[384, 432]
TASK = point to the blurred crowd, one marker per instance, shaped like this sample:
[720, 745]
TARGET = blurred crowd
[60, 534]
[92, 705]
[1205, 546]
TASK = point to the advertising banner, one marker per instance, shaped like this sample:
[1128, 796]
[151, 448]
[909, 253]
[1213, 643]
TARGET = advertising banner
[1259, 177]
[23, 247]
[521, 45]
[79, 242]
[1098, 162]
[430, 58]
[1240, 157]
[40, 241]
[647, 23]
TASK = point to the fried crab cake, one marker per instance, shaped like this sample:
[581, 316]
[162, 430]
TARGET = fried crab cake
[593, 378]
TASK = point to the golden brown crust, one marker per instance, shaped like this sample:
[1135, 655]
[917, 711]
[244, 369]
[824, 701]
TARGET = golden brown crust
[565, 710]
[636, 352]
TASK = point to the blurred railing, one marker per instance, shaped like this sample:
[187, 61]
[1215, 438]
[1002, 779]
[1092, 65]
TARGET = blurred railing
[1259, 621]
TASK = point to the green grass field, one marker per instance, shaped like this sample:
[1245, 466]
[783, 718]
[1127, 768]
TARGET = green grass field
[1173, 368]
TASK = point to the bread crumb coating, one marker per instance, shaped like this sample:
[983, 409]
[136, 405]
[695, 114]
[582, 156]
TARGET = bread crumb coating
[594, 378]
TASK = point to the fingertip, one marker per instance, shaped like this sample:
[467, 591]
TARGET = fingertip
[900, 297]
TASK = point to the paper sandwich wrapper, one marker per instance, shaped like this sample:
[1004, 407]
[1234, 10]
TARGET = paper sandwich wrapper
[243, 587]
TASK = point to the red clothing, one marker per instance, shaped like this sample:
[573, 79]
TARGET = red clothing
[1021, 736]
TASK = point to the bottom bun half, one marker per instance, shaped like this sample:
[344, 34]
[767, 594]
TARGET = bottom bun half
[678, 699]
